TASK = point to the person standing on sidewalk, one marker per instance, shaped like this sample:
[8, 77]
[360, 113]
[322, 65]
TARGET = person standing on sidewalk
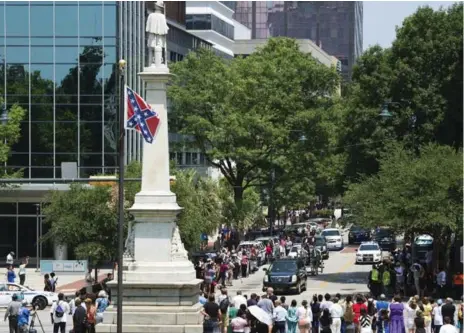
[58, 313]
[10, 258]
[12, 313]
[22, 271]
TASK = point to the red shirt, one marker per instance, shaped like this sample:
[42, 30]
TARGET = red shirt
[268, 249]
[357, 311]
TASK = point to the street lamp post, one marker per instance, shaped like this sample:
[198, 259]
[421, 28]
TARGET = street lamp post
[37, 212]
[385, 114]
[122, 132]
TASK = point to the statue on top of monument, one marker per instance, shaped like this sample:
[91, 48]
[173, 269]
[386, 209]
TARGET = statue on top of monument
[157, 29]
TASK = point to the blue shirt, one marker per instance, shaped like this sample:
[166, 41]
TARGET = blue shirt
[280, 314]
[102, 304]
[380, 305]
[202, 300]
[23, 316]
[11, 276]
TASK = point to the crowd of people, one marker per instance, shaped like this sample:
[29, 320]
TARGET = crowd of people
[83, 312]
[327, 314]
[406, 278]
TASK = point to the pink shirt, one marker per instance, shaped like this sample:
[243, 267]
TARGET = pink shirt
[238, 324]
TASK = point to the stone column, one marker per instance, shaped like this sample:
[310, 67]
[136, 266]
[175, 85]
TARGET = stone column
[160, 285]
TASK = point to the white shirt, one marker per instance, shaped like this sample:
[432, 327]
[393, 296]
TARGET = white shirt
[22, 269]
[448, 328]
[9, 259]
[64, 306]
[326, 305]
[238, 300]
[336, 311]
[302, 311]
[437, 316]
[441, 278]
[280, 314]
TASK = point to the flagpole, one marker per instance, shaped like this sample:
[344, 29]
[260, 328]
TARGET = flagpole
[122, 132]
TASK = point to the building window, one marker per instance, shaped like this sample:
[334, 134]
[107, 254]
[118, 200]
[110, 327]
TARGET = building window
[180, 57]
[172, 56]
[195, 158]
[202, 159]
[209, 22]
[198, 22]
[188, 158]
[172, 156]
[179, 159]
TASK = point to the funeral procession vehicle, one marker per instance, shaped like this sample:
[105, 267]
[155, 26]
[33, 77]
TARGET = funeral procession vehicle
[358, 234]
[368, 252]
[38, 298]
[386, 239]
[286, 275]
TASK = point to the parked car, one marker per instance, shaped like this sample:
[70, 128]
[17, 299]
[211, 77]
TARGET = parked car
[261, 251]
[286, 275]
[334, 238]
[33, 297]
[368, 252]
[358, 234]
[321, 245]
[386, 239]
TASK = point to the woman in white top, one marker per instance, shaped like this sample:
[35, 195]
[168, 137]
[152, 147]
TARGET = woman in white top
[305, 317]
[437, 316]
[410, 313]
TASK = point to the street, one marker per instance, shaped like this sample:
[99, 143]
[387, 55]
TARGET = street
[340, 275]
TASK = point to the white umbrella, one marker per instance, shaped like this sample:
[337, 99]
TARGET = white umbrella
[260, 314]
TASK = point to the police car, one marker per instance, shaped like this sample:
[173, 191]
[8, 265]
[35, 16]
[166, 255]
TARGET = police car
[368, 252]
[40, 298]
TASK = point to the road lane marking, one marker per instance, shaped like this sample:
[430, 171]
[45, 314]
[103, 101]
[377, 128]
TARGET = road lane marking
[347, 265]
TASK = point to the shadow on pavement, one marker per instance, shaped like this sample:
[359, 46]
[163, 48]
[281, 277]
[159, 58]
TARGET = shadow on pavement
[341, 278]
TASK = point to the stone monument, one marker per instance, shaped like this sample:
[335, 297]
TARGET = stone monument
[160, 286]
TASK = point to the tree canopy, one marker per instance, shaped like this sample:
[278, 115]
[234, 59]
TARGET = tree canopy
[412, 193]
[422, 72]
[246, 114]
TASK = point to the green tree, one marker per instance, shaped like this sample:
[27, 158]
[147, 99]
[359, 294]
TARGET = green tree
[201, 206]
[86, 219]
[423, 72]
[243, 114]
[413, 194]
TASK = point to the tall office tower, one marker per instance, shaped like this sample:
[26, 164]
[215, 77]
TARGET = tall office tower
[59, 61]
[336, 26]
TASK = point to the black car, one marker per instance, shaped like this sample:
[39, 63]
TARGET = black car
[358, 235]
[386, 239]
[286, 275]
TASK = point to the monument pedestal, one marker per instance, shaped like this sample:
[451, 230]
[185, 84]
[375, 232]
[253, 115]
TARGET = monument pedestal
[156, 308]
[160, 289]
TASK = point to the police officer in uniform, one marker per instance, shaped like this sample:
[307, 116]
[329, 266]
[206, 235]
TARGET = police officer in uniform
[375, 285]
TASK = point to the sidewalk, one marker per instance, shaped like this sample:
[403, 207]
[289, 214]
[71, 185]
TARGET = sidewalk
[67, 283]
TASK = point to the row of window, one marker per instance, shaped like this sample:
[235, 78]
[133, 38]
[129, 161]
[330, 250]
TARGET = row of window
[188, 158]
[209, 22]
[68, 20]
[174, 56]
[58, 54]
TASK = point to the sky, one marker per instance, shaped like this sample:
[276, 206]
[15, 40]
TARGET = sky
[381, 18]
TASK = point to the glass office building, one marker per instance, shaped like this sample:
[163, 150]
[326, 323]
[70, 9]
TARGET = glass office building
[58, 60]
[336, 26]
